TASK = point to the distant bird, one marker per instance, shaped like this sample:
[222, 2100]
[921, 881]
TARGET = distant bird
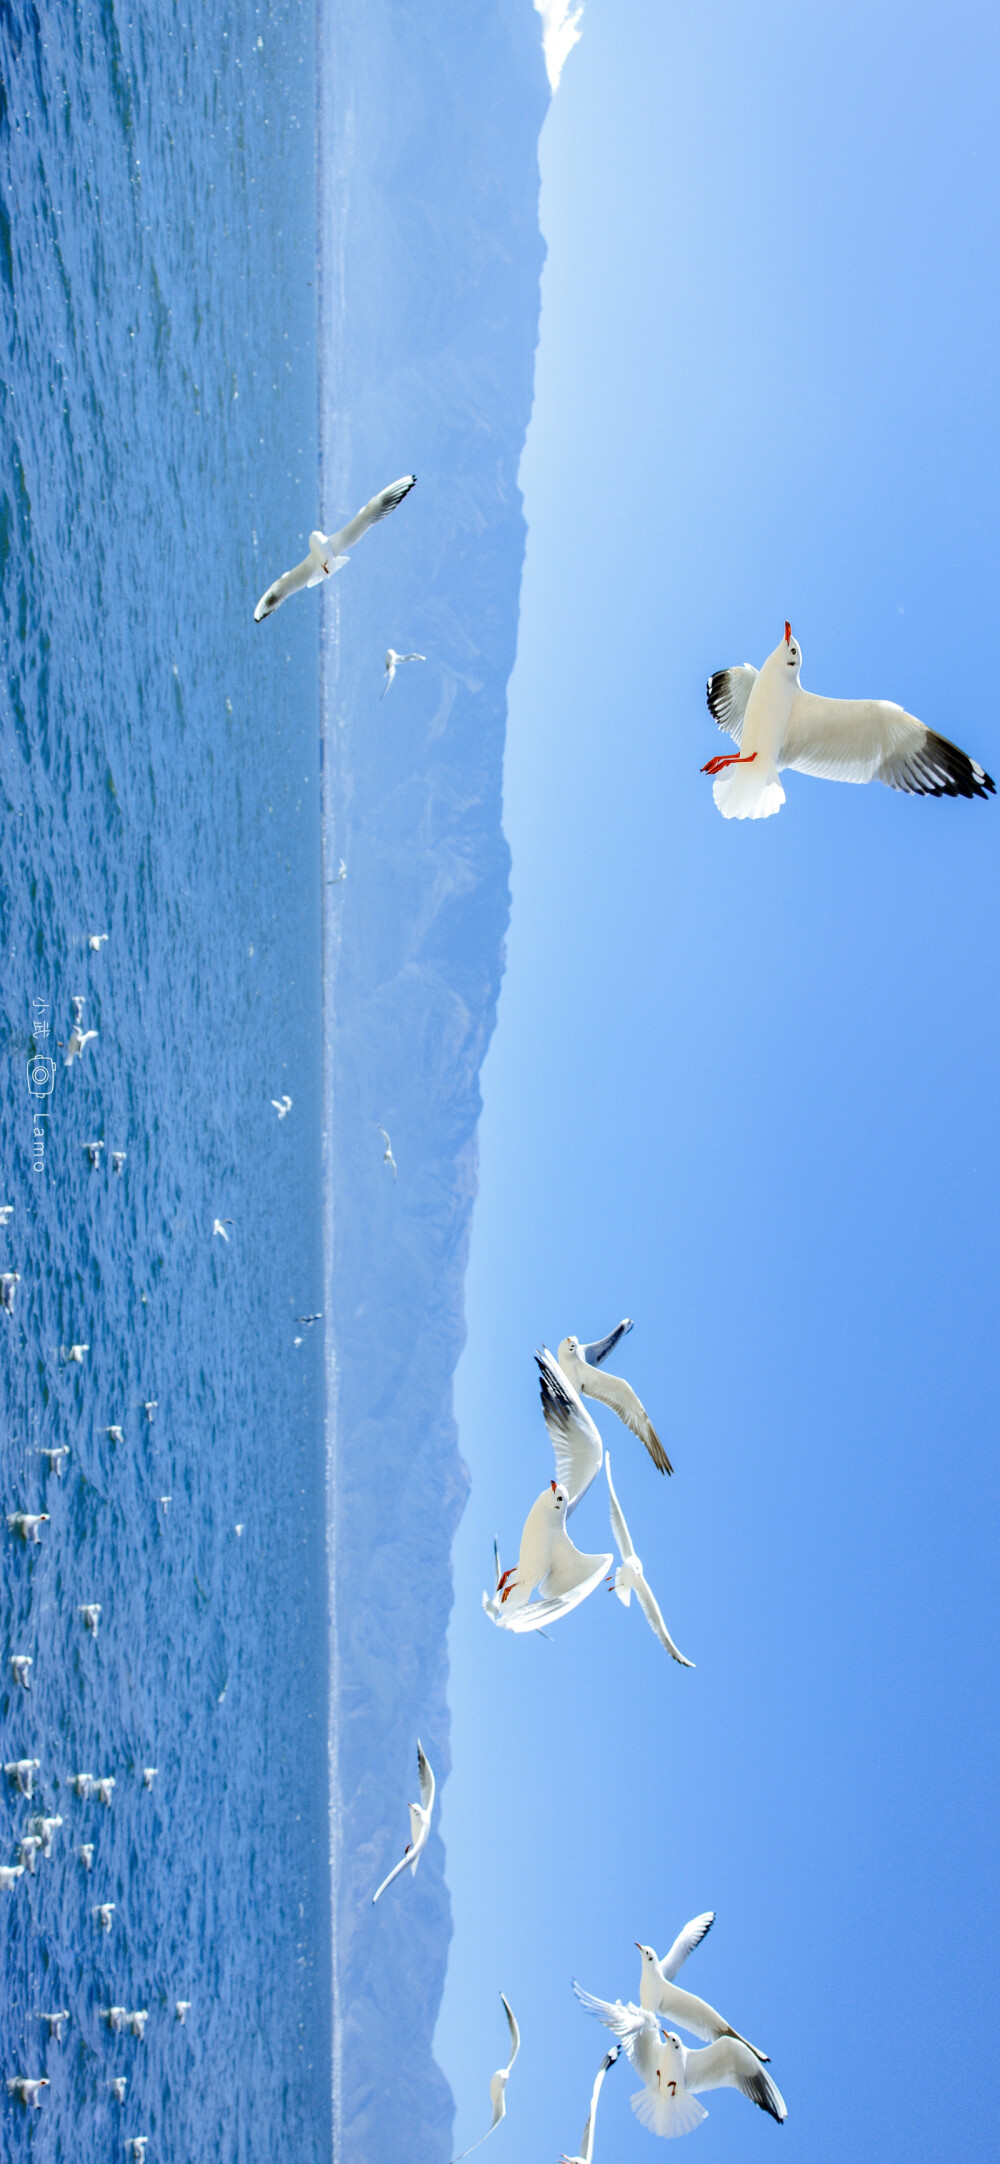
[9, 1875]
[136, 2147]
[165, 1502]
[85, 1852]
[116, 2017]
[149, 1774]
[239, 1532]
[96, 941]
[78, 1003]
[667, 2104]
[103, 1789]
[27, 1522]
[19, 1666]
[387, 1156]
[393, 661]
[498, 2084]
[776, 725]
[137, 2022]
[74, 1353]
[630, 1577]
[91, 1614]
[118, 2087]
[150, 1408]
[29, 2090]
[338, 875]
[118, 1158]
[219, 1226]
[306, 1319]
[9, 1282]
[55, 1458]
[55, 2023]
[282, 1106]
[582, 1364]
[104, 1913]
[117, 1435]
[82, 1784]
[660, 1995]
[77, 1044]
[182, 2008]
[27, 1849]
[6, 1212]
[548, 1562]
[93, 1151]
[43, 1829]
[326, 551]
[586, 2155]
[420, 1824]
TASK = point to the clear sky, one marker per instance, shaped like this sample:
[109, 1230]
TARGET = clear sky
[743, 1088]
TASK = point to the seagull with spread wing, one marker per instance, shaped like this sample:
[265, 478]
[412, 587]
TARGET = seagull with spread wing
[327, 552]
[586, 2155]
[393, 661]
[549, 1563]
[498, 2084]
[387, 1156]
[630, 1577]
[582, 1364]
[776, 724]
[659, 1994]
[671, 2075]
[420, 1824]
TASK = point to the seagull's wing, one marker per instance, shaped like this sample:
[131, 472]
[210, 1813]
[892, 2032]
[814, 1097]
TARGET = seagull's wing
[619, 1528]
[728, 692]
[536, 1613]
[569, 1570]
[425, 1777]
[873, 740]
[577, 1445]
[515, 2033]
[389, 675]
[620, 1396]
[292, 582]
[587, 2139]
[413, 657]
[626, 2022]
[385, 1138]
[379, 507]
[402, 1865]
[650, 1607]
[729, 2064]
[599, 1350]
[685, 1943]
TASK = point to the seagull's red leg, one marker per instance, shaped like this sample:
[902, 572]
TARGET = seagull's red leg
[727, 758]
[501, 1582]
[507, 1591]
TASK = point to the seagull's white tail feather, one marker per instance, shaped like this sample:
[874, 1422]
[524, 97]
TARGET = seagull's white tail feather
[319, 574]
[665, 2114]
[623, 1588]
[752, 791]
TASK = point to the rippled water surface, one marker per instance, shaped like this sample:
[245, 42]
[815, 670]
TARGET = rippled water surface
[159, 782]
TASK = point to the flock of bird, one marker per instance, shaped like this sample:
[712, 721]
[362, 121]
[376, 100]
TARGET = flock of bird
[775, 725]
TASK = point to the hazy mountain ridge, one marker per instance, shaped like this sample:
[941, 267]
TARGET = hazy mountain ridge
[431, 256]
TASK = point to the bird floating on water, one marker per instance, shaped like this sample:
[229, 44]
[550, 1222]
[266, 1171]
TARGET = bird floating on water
[116, 1434]
[85, 1853]
[55, 1457]
[327, 552]
[93, 1151]
[630, 1577]
[43, 1829]
[73, 1354]
[387, 1156]
[776, 724]
[104, 1912]
[182, 2008]
[91, 1613]
[96, 941]
[9, 1282]
[6, 1212]
[103, 1789]
[150, 1407]
[137, 2020]
[118, 1158]
[420, 1824]
[78, 1003]
[27, 1849]
[149, 1774]
[338, 875]
[393, 661]
[582, 1364]
[19, 1666]
[55, 2023]
[9, 1875]
[28, 2088]
[118, 2087]
[82, 1784]
[498, 2084]
[165, 1502]
[587, 2141]
[27, 1522]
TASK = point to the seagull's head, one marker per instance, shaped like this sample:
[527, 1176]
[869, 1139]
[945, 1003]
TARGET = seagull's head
[647, 1954]
[560, 1498]
[792, 651]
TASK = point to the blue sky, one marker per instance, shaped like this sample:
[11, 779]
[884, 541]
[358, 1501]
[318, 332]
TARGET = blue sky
[743, 1088]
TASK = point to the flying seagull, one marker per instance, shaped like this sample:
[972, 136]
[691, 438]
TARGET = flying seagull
[498, 2084]
[387, 1156]
[219, 1226]
[548, 1561]
[327, 551]
[630, 1577]
[96, 941]
[338, 876]
[77, 1043]
[667, 2104]
[776, 724]
[582, 1364]
[420, 1824]
[587, 2142]
[282, 1106]
[659, 1994]
[392, 662]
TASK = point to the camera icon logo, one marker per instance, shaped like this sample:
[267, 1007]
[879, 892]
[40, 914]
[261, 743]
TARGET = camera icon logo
[41, 1076]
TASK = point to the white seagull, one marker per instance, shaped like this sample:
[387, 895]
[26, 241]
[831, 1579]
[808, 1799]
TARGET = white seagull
[73, 1354]
[54, 2023]
[149, 1408]
[103, 1789]
[85, 1853]
[136, 2146]
[43, 1829]
[91, 1614]
[9, 1875]
[630, 1577]
[667, 2103]
[219, 1227]
[104, 1912]
[93, 1151]
[548, 1561]
[118, 1159]
[420, 1824]
[6, 1212]
[55, 1458]
[387, 1156]
[282, 1106]
[29, 2091]
[587, 2141]
[27, 1849]
[149, 1774]
[327, 552]
[582, 1364]
[78, 1042]
[182, 2008]
[137, 2020]
[659, 1994]
[115, 2016]
[19, 1666]
[96, 941]
[82, 1784]
[22, 1772]
[498, 2084]
[776, 724]
[118, 2088]
[392, 663]
[116, 1434]
[339, 875]
[27, 1522]
[78, 1003]
[9, 1282]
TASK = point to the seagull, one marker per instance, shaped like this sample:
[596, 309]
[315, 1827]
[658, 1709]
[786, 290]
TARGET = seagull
[392, 663]
[116, 2017]
[117, 1435]
[27, 1849]
[587, 2140]
[78, 1042]
[6, 1212]
[103, 1789]
[55, 1458]
[9, 1875]
[667, 2104]
[78, 1003]
[44, 1828]
[96, 941]
[239, 1532]
[219, 1226]
[136, 2146]
[305, 1319]
[282, 1106]
[118, 1159]
[104, 1912]
[630, 1578]
[54, 2023]
[82, 1784]
[149, 1408]
[85, 1852]
[776, 724]
[149, 1774]
[118, 2088]
[548, 1560]
[93, 1151]
[165, 1502]
[29, 2091]
[19, 1666]
[420, 1824]
[581, 1363]
[338, 875]
[27, 1522]
[182, 2008]
[74, 1353]
[137, 2020]
[387, 1156]
[327, 551]
[659, 1994]
[91, 1613]
[498, 2083]
[9, 1281]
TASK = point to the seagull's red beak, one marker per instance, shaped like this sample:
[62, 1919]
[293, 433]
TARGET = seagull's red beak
[788, 633]
[552, 1485]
